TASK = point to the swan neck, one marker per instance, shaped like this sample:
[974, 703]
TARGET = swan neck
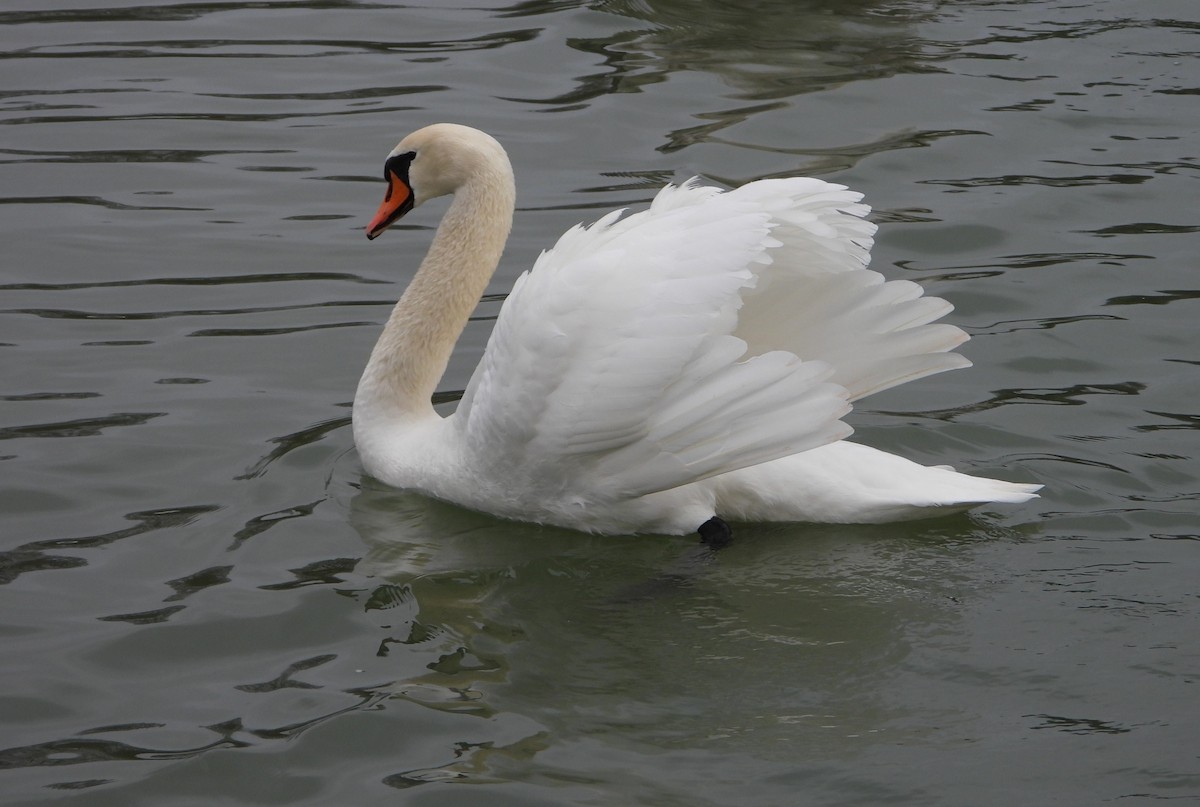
[412, 352]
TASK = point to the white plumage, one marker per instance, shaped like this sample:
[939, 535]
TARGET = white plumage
[654, 371]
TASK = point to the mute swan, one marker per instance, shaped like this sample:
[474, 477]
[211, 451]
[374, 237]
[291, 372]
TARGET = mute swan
[657, 373]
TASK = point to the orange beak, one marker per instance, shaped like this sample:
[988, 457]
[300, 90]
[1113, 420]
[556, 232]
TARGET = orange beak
[396, 202]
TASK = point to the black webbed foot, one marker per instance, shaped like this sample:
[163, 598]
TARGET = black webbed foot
[715, 533]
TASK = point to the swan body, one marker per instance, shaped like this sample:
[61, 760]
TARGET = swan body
[688, 362]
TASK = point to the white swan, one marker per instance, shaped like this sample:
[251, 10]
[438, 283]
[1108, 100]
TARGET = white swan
[658, 373]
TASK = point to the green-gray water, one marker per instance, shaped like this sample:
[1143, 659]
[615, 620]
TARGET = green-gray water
[204, 602]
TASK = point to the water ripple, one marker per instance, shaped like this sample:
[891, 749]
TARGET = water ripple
[1073, 395]
[39, 555]
[258, 48]
[281, 277]
[89, 200]
[69, 314]
[182, 12]
[84, 427]
[126, 155]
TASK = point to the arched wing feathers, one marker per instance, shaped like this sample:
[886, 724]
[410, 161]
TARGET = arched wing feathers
[712, 332]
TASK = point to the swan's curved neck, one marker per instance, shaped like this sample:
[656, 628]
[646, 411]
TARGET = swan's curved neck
[414, 348]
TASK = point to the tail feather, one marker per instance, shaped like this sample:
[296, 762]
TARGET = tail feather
[850, 483]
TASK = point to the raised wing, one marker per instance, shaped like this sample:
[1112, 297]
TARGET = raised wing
[819, 301]
[631, 358]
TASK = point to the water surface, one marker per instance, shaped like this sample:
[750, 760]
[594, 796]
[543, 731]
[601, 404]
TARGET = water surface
[204, 600]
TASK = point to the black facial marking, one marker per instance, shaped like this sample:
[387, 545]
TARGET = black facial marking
[398, 164]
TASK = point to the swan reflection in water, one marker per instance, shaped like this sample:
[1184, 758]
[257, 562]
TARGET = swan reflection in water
[535, 637]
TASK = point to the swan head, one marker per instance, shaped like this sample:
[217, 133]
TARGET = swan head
[435, 161]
